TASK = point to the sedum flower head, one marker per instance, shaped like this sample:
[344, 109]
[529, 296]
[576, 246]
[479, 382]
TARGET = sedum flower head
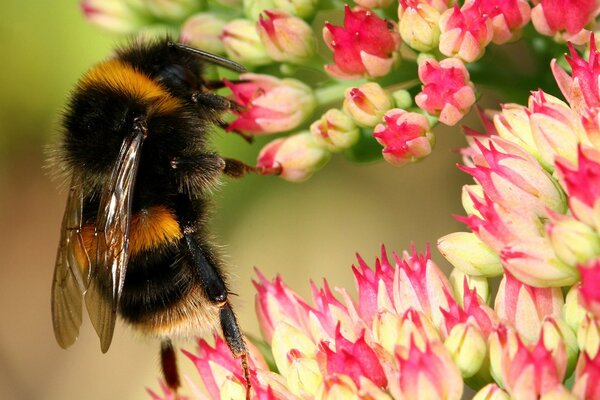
[447, 91]
[365, 46]
[405, 136]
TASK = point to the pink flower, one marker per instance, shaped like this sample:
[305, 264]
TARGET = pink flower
[373, 286]
[329, 315]
[426, 372]
[269, 105]
[589, 290]
[418, 23]
[366, 104]
[355, 359]
[420, 284]
[582, 183]
[525, 307]
[285, 37]
[276, 302]
[114, 15]
[447, 91]
[406, 136]
[512, 177]
[587, 376]
[508, 18]
[564, 18]
[533, 370]
[294, 158]
[365, 46]
[465, 31]
[556, 128]
[498, 226]
[581, 88]
[474, 310]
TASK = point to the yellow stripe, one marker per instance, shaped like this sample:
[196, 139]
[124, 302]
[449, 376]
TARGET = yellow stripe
[122, 77]
[149, 229]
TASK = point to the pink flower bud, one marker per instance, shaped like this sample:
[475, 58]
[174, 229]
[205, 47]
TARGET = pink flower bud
[294, 158]
[556, 333]
[405, 136]
[525, 307]
[373, 4]
[573, 310]
[343, 387]
[467, 346]
[573, 241]
[533, 370]
[365, 46]
[420, 284]
[427, 373]
[498, 226]
[491, 391]
[556, 129]
[466, 252]
[564, 19]
[473, 311]
[276, 302]
[581, 88]
[391, 330]
[218, 368]
[328, 316]
[285, 37]
[447, 91]
[418, 24]
[335, 130]
[465, 31]
[269, 104]
[242, 43]
[114, 15]
[582, 183]
[366, 104]
[588, 335]
[202, 31]
[374, 287]
[508, 18]
[172, 9]
[534, 262]
[513, 178]
[356, 360]
[587, 376]
[590, 290]
[513, 125]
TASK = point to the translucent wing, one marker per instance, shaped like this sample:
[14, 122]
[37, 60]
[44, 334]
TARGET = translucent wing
[111, 240]
[72, 262]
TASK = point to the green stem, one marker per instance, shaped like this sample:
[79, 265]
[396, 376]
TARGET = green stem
[333, 93]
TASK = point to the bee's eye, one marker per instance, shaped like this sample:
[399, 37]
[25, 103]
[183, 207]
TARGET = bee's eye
[177, 76]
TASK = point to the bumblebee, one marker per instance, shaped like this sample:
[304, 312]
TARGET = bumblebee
[133, 242]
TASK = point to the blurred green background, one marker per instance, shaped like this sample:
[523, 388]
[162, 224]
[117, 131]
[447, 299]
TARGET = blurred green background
[301, 231]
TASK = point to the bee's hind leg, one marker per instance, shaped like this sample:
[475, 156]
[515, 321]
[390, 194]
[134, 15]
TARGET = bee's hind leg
[216, 292]
[168, 362]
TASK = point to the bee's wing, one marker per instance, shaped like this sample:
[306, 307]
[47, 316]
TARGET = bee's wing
[111, 240]
[72, 261]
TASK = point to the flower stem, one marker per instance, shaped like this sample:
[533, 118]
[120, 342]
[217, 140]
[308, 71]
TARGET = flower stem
[327, 95]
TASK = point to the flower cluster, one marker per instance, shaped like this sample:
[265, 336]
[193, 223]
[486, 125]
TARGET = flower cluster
[533, 215]
[377, 67]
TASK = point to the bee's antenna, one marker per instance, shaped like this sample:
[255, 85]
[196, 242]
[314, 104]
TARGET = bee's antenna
[210, 57]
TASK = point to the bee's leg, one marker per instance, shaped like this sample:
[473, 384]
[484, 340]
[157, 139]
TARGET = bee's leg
[216, 292]
[236, 169]
[168, 361]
